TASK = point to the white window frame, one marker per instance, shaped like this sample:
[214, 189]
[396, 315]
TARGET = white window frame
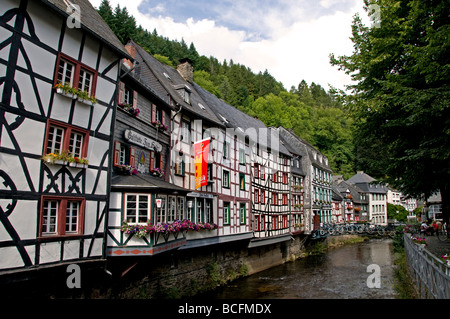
[137, 214]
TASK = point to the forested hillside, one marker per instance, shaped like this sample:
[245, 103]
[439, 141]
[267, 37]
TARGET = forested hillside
[309, 110]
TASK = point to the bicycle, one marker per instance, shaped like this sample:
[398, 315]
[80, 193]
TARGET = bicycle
[442, 233]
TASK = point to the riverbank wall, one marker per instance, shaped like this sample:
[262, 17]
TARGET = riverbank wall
[176, 274]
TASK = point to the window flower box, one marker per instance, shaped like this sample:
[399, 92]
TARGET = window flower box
[160, 125]
[157, 172]
[166, 229]
[65, 159]
[126, 170]
[130, 109]
[74, 93]
[65, 90]
[85, 97]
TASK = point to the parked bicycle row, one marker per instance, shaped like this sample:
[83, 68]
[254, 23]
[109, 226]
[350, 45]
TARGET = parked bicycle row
[329, 229]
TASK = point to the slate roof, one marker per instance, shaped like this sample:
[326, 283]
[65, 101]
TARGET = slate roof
[308, 148]
[231, 117]
[355, 191]
[143, 182]
[91, 22]
[295, 146]
[367, 183]
[165, 80]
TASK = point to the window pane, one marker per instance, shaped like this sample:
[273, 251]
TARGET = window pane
[131, 208]
[50, 217]
[55, 139]
[85, 81]
[76, 143]
[143, 208]
[72, 212]
[65, 72]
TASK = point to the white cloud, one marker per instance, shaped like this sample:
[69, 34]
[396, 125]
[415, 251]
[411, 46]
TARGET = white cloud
[290, 53]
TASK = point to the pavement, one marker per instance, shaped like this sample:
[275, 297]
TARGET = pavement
[437, 247]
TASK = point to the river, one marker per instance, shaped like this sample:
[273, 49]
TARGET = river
[340, 273]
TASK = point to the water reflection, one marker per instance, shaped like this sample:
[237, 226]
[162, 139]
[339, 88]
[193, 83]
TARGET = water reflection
[339, 274]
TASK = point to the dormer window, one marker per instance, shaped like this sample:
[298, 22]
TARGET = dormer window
[185, 92]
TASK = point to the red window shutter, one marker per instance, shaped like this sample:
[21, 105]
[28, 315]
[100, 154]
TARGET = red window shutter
[153, 113]
[116, 153]
[132, 156]
[152, 160]
[121, 93]
[135, 97]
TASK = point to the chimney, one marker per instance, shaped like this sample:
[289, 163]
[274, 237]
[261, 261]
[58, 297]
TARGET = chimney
[186, 69]
[132, 52]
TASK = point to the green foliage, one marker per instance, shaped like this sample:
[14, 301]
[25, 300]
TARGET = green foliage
[402, 95]
[397, 212]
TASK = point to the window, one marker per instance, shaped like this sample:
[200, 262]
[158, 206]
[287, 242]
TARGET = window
[156, 160]
[75, 74]
[161, 209]
[180, 208]
[66, 72]
[226, 213]
[285, 178]
[285, 199]
[158, 115]
[256, 170]
[226, 149]
[242, 213]
[127, 96]
[124, 154]
[226, 179]
[274, 198]
[209, 173]
[285, 221]
[61, 216]
[85, 81]
[179, 164]
[137, 208]
[256, 196]
[263, 173]
[199, 211]
[61, 138]
[242, 181]
[262, 197]
[185, 132]
[275, 177]
[172, 209]
[275, 222]
[242, 156]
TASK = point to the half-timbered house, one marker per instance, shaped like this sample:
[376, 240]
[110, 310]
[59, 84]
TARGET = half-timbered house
[218, 209]
[268, 171]
[59, 64]
[144, 206]
[300, 217]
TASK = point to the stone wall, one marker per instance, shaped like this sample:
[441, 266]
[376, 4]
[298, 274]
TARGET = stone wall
[176, 274]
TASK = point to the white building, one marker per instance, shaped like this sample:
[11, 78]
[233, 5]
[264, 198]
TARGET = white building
[59, 79]
[375, 193]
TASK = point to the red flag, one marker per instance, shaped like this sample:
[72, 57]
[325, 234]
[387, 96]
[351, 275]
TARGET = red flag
[201, 150]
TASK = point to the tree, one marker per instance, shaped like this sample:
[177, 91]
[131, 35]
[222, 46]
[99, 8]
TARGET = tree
[401, 95]
[397, 212]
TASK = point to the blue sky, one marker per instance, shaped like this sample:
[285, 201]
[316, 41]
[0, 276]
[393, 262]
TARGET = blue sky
[292, 39]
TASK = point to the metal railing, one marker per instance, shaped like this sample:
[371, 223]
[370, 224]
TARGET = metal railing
[431, 275]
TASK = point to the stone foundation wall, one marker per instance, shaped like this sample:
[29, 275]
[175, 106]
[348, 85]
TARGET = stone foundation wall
[176, 274]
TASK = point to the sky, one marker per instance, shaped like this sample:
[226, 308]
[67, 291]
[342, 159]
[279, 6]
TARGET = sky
[292, 39]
